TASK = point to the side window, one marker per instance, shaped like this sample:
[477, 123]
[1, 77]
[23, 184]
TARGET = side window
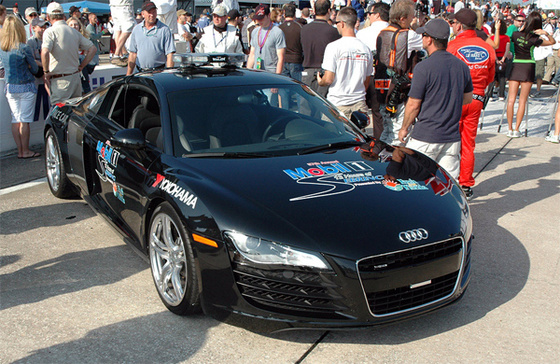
[95, 102]
[116, 111]
[142, 112]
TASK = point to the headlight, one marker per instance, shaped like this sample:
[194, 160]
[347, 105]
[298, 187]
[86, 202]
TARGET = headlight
[267, 252]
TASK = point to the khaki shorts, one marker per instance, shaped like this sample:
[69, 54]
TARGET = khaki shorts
[123, 18]
[347, 110]
[64, 88]
[447, 155]
[169, 19]
[539, 69]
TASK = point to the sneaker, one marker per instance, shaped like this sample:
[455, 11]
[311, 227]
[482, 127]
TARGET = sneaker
[535, 94]
[468, 192]
[509, 134]
[516, 134]
[502, 99]
[553, 138]
[121, 62]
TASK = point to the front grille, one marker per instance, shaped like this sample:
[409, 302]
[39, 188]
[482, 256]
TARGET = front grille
[390, 280]
[403, 298]
[292, 292]
[409, 257]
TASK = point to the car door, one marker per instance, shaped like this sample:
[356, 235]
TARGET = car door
[81, 115]
[121, 172]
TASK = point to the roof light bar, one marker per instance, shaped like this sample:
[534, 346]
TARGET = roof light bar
[185, 60]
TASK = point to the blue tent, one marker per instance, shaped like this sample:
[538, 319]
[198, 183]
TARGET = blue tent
[94, 7]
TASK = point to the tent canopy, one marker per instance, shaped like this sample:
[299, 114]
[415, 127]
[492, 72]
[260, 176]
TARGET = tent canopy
[94, 7]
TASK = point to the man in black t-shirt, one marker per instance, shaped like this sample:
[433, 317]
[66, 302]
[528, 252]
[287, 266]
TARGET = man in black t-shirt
[314, 39]
[441, 85]
[294, 53]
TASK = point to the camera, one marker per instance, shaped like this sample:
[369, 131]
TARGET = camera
[321, 73]
[397, 95]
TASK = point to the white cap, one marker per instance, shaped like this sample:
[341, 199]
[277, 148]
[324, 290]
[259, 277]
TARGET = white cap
[220, 10]
[54, 8]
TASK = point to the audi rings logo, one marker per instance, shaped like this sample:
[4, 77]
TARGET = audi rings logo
[413, 235]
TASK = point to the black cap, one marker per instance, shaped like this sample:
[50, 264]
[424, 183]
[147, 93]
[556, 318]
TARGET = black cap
[466, 16]
[435, 28]
[233, 13]
[148, 5]
[73, 9]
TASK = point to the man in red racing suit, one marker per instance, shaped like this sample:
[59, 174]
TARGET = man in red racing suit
[481, 59]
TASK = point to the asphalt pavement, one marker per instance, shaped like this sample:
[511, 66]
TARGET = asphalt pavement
[71, 291]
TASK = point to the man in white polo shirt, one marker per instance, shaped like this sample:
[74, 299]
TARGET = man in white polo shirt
[59, 56]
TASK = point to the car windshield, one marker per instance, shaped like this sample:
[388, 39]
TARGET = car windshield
[256, 121]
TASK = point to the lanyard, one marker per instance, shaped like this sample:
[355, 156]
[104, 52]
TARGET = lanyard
[224, 37]
[261, 45]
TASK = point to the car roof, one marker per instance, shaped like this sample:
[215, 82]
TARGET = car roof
[176, 79]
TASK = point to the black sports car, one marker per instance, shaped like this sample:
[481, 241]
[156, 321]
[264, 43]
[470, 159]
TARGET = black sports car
[255, 199]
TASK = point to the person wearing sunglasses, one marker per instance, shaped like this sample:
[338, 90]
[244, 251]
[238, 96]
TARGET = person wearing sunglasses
[30, 14]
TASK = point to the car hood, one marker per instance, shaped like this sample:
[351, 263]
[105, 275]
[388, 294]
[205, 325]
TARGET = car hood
[342, 203]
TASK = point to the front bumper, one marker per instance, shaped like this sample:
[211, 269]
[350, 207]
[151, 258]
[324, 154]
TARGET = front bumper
[370, 291]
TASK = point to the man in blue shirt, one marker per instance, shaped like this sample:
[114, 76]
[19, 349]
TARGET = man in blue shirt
[151, 43]
[441, 85]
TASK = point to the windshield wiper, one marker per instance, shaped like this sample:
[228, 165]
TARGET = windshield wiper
[331, 146]
[227, 155]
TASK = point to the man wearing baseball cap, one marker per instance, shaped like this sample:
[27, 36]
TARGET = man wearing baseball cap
[440, 87]
[481, 59]
[183, 34]
[151, 43]
[219, 37]
[268, 45]
[30, 14]
[59, 56]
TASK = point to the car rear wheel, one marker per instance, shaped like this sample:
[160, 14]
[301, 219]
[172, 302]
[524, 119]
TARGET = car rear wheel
[56, 172]
[172, 262]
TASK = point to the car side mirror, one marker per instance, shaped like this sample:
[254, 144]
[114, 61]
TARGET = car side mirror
[129, 138]
[359, 119]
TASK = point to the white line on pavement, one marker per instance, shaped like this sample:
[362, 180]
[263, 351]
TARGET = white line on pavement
[22, 186]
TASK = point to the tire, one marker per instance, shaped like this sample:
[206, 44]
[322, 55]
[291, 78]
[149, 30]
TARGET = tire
[57, 179]
[172, 262]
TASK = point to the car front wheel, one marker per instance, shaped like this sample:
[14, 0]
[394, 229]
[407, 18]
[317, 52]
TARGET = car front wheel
[172, 262]
[56, 171]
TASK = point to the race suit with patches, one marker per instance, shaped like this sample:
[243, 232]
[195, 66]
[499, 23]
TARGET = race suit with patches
[481, 59]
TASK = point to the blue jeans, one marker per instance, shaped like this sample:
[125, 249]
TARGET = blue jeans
[88, 70]
[293, 70]
[556, 78]
[42, 97]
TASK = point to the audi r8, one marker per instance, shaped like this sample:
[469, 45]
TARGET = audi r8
[256, 201]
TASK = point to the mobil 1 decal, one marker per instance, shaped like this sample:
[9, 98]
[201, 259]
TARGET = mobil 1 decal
[108, 158]
[336, 178]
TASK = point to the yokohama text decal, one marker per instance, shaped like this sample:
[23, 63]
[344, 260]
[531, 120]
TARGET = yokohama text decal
[176, 191]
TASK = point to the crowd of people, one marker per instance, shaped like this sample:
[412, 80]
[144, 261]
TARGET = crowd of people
[423, 70]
